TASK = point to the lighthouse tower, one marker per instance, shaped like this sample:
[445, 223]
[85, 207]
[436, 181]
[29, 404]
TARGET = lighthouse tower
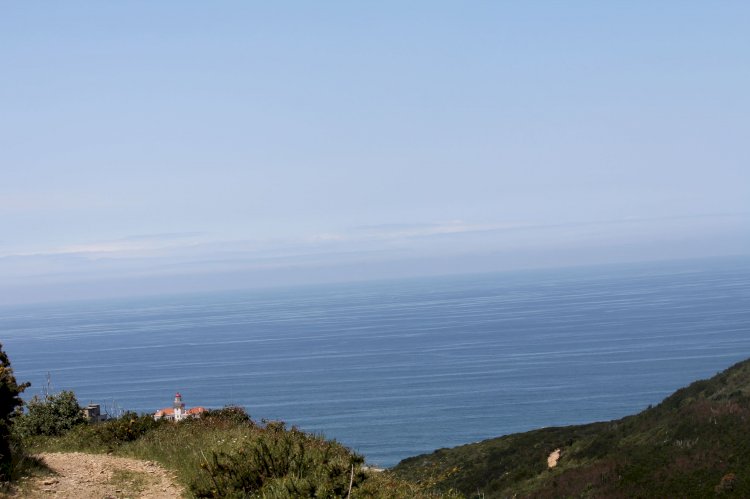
[178, 412]
[179, 407]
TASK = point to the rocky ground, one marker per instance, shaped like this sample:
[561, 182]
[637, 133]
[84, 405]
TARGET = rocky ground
[78, 475]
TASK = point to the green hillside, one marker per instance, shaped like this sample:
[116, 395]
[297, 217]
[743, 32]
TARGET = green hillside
[696, 443]
[225, 454]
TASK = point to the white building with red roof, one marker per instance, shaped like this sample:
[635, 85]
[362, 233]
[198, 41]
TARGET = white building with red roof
[178, 412]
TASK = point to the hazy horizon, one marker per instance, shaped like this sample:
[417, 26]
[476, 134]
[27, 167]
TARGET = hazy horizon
[185, 147]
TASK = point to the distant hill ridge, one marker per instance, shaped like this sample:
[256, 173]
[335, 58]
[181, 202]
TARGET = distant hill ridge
[696, 443]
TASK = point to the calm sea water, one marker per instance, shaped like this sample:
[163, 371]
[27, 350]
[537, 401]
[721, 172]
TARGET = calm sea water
[397, 368]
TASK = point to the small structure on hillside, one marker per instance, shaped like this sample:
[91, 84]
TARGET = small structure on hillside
[178, 412]
[93, 413]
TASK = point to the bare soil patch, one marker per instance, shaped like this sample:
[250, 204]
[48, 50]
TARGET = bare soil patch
[77, 475]
[553, 458]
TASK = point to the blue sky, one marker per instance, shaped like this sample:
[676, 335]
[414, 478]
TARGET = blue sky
[172, 146]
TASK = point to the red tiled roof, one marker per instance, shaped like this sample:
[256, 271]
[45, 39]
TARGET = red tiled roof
[169, 410]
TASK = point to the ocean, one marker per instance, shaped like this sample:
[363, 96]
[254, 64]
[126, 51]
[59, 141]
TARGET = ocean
[397, 368]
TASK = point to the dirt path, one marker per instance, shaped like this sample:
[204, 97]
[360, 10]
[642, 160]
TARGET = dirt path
[78, 475]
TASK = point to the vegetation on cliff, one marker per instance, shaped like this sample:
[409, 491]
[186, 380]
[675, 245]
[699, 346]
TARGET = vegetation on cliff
[227, 454]
[10, 402]
[696, 443]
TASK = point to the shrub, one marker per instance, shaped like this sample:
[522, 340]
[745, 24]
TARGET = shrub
[10, 401]
[127, 428]
[50, 416]
[282, 463]
[232, 415]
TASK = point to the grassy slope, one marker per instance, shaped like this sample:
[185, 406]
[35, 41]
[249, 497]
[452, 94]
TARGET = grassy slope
[188, 449]
[685, 447]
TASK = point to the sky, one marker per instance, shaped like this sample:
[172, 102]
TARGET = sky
[157, 147]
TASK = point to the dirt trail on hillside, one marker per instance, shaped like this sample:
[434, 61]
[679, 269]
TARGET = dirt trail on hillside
[98, 476]
[553, 458]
